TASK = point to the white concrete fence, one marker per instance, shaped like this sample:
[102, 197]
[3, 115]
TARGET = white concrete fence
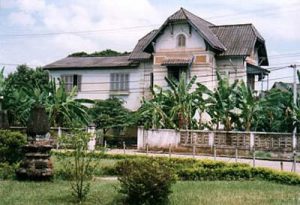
[164, 138]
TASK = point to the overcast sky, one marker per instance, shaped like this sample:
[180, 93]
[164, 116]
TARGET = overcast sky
[68, 26]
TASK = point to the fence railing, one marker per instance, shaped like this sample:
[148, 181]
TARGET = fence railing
[265, 141]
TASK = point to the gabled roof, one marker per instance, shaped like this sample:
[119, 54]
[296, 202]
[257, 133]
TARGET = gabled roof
[91, 62]
[230, 40]
[138, 53]
[199, 24]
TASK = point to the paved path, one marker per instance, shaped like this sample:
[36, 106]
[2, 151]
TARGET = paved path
[287, 166]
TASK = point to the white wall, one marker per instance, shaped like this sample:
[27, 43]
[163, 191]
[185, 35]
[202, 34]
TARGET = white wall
[96, 83]
[158, 138]
[167, 41]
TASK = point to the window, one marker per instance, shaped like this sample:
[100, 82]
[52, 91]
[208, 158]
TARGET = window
[181, 40]
[175, 72]
[70, 81]
[119, 82]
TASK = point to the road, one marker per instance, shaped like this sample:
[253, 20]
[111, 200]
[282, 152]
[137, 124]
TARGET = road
[287, 166]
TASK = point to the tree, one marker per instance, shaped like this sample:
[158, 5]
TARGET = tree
[110, 113]
[275, 112]
[248, 104]
[80, 166]
[104, 53]
[14, 93]
[64, 108]
[154, 113]
[222, 103]
[184, 107]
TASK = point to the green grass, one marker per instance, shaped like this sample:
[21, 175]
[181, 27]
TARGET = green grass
[99, 165]
[192, 193]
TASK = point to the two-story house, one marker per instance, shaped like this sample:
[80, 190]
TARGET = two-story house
[184, 43]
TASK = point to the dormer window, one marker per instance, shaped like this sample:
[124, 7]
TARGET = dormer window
[181, 40]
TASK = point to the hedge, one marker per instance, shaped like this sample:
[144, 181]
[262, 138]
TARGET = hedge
[193, 169]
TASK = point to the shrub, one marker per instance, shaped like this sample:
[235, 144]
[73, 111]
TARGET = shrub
[79, 168]
[7, 171]
[10, 146]
[145, 181]
[192, 169]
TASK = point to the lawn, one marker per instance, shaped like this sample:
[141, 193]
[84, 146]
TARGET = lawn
[192, 193]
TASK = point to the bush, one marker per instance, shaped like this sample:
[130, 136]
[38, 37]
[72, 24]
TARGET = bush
[192, 169]
[10, 146]
[145, 181]
[78, 168]
[7, 171]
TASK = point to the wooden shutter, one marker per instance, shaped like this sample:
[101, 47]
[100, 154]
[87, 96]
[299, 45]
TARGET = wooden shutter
[79, 77]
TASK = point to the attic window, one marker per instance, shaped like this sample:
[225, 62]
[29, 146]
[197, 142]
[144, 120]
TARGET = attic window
[181, 40]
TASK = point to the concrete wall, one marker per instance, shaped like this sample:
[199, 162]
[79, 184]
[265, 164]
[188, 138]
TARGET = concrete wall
[158, 138]
[96, 83]
[168, 41]
[233, 67]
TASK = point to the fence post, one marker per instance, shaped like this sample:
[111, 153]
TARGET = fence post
[58, 136]
[92, 143]
[215, 152]
[170, 150]
[147, 149]
[194, 146]
[105, 144]
[236, 154]
[281, 165]
[253, 156]
[294, 160]
[124, 147]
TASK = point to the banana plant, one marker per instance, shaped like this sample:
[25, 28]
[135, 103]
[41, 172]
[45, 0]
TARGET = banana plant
[248, 104]
[184, 107]
[221, 104]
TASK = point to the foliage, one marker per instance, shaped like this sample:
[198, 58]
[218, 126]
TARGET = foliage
[154, 113]
[222, 103]
[276, 112]
[7, 171]
[10, 146]
[110, 113]
[170, 108]
[145, 181]
[193, 169]
[248, 104]
[80, 166]
[104, 53]
[64, 108]
[183, 108]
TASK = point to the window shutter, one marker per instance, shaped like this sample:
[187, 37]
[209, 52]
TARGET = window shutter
[127, 82]
[151, 81]
[79, 77]
[112, 81]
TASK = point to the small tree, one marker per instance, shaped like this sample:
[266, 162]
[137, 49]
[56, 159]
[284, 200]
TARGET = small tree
[80, 167]
[110, 113]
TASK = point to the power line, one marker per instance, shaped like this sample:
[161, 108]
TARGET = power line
[133, 27]
[76, 32]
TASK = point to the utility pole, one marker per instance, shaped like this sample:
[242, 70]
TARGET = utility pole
[295, 104]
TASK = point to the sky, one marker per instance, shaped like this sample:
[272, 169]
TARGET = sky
[38, 32]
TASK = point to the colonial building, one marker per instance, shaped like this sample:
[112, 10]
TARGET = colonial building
[184, 43]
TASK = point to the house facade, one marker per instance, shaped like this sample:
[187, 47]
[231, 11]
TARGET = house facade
[184, 43]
